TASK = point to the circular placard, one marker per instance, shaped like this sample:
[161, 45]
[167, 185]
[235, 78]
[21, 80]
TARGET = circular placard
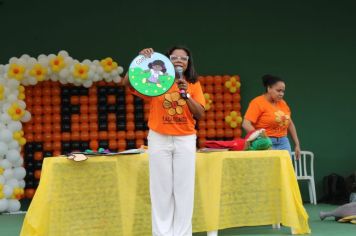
[151, 76]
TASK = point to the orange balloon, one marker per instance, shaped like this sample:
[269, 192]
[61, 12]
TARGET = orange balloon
[93, 126]
[139, 143]
[38, 156]
[84, 135]
[130, 117]
[111, 99]
[56, 118]
[57, 146]
[219, 124]
[220, 133]
[29, 193]
[130, 134]
[211, 133]
[219, 106]
[112, 144]
[75, 136]
[227, 97]
[66, 136]
[201, 124]
[75, 127]
[56, 109]
[94, 145]
[112, 135]
[84, 109]
[37, 128]
[228, 133]
[130, 126]
[29, 137]
[37, 110]
[47, 146]
[37, 174]
[47, 136]
[210, 115]
[84, 126]
[93, 110]
[201, 142]
[56, 101]
[94, 117]
[219, 115]
[130, 108]
[121, 144]
[75, 118]
[103, 135]
[202, 133]
[93, 100]
[218, 80]
[111, 117]
[93, 135]
[56, 128]
[237, 133]
[112, 126]
[140, 134]
[84, 100]
[56, 91]
[210, 124]
[129, 98]
[47, 127]
[121, 135]
[46, 101]
[57, 137]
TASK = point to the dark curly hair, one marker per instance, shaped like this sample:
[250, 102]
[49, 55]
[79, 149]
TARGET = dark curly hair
[159, 63]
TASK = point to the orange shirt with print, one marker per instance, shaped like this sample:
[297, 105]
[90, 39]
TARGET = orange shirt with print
[170, 114]
[274, 118]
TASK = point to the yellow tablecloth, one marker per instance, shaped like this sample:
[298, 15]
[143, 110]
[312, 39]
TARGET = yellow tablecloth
[110, 195]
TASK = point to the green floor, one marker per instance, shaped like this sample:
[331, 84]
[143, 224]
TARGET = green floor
[10, 225]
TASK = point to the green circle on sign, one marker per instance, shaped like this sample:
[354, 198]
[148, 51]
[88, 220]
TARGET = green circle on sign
[152, 76]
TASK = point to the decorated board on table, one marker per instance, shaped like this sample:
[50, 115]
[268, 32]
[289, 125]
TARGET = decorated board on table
[151, 76]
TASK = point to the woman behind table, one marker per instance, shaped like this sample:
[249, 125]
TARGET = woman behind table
[172, 147]
[270, 112]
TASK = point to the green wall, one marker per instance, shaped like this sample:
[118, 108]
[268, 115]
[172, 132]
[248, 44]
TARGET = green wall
[311, 44]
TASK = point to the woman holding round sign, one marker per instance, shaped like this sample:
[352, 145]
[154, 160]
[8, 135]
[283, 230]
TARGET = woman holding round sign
[176, 101]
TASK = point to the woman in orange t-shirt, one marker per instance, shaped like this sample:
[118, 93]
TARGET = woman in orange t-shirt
[172, 147]
[270, 112]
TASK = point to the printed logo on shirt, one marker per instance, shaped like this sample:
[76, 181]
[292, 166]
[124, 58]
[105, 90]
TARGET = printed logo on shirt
[173, 103]
[281, 118]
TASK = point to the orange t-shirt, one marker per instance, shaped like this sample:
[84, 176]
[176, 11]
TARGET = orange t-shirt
[274, 119]
[170, 114]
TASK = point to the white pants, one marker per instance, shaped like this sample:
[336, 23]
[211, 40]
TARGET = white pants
[172, 176]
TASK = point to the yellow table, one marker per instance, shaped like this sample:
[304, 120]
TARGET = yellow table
[110, 195]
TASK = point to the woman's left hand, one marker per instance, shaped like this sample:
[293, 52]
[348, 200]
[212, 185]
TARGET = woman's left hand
[297, 152]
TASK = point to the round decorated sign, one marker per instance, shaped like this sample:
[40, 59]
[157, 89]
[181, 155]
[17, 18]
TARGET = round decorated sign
[151, 76]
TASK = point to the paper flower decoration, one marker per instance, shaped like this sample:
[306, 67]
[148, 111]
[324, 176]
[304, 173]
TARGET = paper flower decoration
[16, 112]
[57, 63]
[21, 95]
[38, 72]
[208, 101]
[232, 84]
[16, 72]
[108, 64]
[80, 71]
[234, 119]
[1, 92]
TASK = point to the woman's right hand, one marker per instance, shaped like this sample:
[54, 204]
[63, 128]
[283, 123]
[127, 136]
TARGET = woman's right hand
[147, 52]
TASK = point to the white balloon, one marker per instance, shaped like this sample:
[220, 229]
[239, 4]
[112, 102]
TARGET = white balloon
[87, 62]
[13, 84]
[2, 180]
[13, 155]
[64, 73]
[63, 53]
[4, 203]
[8, 173]
[22, 104]
[22, 183]
[3, 149]
[5, 118]
[13, 60]
[19, 163]
[19, 173]
[13, 205]
[12, 98]
[5, 164]
[14, 126]
[26, 117]
[5, 135]
[8, 190]
[13, 144]
[88, 84]
[12, 183]
[32, 81]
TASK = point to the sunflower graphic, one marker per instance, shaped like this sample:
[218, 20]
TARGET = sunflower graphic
[173, 103]
[281, 118]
